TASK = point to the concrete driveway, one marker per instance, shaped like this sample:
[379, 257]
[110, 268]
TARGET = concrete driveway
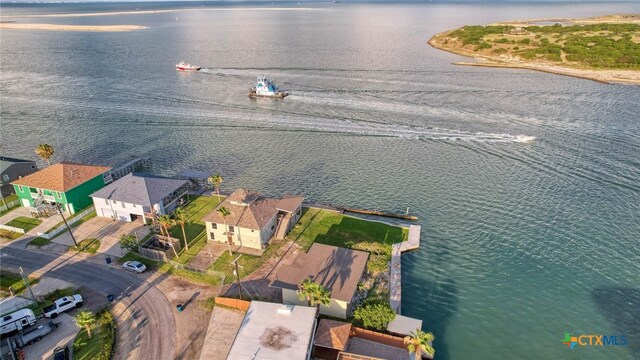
[64, 334]
[107, 231]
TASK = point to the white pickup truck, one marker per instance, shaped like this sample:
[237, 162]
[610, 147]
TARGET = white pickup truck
[63, 304]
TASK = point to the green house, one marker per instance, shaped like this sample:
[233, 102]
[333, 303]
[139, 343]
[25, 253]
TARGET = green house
[66, 183]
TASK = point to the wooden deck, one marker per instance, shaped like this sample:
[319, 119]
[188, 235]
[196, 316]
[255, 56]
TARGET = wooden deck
[395, 278]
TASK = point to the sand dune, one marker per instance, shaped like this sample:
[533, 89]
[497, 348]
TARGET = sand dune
[57, 27]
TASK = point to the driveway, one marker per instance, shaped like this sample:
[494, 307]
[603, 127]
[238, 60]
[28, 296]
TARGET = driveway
[107, 231]
[64, 334]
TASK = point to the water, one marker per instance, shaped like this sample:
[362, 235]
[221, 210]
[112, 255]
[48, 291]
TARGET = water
[522, 240]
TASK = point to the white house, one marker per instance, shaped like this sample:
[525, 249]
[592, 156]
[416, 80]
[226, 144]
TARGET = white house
[253, 219]
[136, 197]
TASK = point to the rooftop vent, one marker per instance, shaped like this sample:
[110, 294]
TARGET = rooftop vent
[285, 309]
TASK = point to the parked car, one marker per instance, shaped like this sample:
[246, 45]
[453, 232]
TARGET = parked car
[17, 321]
[35, 334]
[63, 304]
[135, 266]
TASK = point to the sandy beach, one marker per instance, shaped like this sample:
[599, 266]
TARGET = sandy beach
[56, 27]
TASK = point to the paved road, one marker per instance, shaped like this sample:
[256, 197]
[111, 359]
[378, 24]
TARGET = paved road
[146, 327]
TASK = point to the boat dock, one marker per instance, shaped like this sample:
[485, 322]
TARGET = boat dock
[395, 274]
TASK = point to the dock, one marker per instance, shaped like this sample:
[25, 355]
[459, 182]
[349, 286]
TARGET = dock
[395, 274]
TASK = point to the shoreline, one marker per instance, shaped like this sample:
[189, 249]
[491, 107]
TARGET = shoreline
[59, 27]
[606, 76]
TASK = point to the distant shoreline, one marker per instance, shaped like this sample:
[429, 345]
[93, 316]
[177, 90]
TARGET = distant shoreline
[609, 76]
[57, 27]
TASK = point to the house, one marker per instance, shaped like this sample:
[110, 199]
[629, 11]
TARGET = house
[272, 331]
[134, 197]
[65, 183]
[253, 219]
[337, 269]
[12, 169]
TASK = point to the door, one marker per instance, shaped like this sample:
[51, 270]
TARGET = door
[26, 203]
[230, 239]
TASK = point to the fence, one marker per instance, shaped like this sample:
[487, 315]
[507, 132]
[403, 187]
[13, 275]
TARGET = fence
[12, 229]
[10, 205]
[234, 303]
[61, 228]
[18, 303]
[374, 336]
[153, 254]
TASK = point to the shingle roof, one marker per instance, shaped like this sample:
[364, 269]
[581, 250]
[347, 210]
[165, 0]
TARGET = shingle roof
[139, 190]
[289, 203]
[5, 162]
[337, 269]
[62, 176]
[248, 209]
[333, 334]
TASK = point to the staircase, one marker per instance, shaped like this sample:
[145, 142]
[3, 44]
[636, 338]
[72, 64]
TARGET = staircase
[283, 225]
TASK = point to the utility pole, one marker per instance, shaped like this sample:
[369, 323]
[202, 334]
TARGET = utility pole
[67, 225]
[237, 273]
[28, 286]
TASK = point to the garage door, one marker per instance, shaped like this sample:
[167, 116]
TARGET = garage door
[107, 213]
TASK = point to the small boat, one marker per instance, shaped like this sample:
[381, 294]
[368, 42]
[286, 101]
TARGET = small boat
[266, 88]
[183, 66]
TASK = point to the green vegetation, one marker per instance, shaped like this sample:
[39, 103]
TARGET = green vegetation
[129, 243]
[419, 343]
[132, 256]
[375, 316]
[7, 200]
[24, 223]
[600, 46]
[10, 281]
[89, 245]
[100, 346]
[9, 235]
[39, 241]
[314, 293]
[58, 293]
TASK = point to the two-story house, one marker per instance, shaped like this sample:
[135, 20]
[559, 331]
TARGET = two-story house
[134, 197]
[67, 184]
[13, 169]
[253, 219]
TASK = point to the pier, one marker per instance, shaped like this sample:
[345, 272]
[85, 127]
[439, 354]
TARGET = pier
[395, 274]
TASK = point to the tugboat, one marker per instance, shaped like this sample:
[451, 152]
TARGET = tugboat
[266, 88]
[183, 66]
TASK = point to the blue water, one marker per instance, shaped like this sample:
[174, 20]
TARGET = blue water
[522, 241]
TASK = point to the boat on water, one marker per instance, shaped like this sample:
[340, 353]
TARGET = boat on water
[183, 66]
[266, 88]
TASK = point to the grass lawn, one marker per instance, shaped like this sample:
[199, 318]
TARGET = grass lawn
[7, 200]
[13, 280]
[205, 279]
[89, 245]
[24, 223]
[39, 241]
[101, 344]
[9, 235]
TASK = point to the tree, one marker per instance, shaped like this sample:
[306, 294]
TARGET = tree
[85, 319]
[375, 316]
[165, 223]
[419, 342]
[216, 180]
[224, 212]
[45, 152]
[181, 218]
[129, 243]
[314, 293]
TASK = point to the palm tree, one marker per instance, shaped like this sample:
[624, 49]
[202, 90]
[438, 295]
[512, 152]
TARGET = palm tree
[314, 293]
[45, 152]
[224, 212]
[216, 180]
[181, 218]
[419, 342]
[165, 223]
[85, 319]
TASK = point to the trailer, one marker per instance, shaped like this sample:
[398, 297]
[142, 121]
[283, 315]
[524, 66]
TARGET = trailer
[34, 335]
[17, 321]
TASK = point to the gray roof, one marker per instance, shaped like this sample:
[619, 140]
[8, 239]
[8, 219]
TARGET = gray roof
[404, 325]
[5, 162]
[139, 190]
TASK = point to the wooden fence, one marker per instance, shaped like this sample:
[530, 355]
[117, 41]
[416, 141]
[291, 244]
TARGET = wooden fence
[374, 336]
[234, 303]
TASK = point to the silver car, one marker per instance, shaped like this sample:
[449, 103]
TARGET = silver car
[134, 266]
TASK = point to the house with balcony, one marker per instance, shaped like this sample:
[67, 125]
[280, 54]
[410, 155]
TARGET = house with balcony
[253, 219]
[66, 184]
[136, 197]
[13, 169]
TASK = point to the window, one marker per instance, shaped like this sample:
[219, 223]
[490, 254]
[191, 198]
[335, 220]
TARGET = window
[251, 230]
[134, 205]
[214, 226]
[273, 226]
[20, 188]
[124, 205]
[213, 235]
[59, 195]
[33, 166]
[230, 228]
[114, 202]
[5, 177]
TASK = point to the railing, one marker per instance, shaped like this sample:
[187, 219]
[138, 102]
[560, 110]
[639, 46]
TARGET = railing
[70, 221]
[12, 229]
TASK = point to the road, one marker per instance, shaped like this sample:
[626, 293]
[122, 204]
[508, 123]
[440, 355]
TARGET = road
[145, 323]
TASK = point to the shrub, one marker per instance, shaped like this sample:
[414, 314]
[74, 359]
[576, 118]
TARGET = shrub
[375, 316]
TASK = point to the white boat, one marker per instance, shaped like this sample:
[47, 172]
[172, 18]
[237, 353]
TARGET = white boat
[266, 88]
[183, 66]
